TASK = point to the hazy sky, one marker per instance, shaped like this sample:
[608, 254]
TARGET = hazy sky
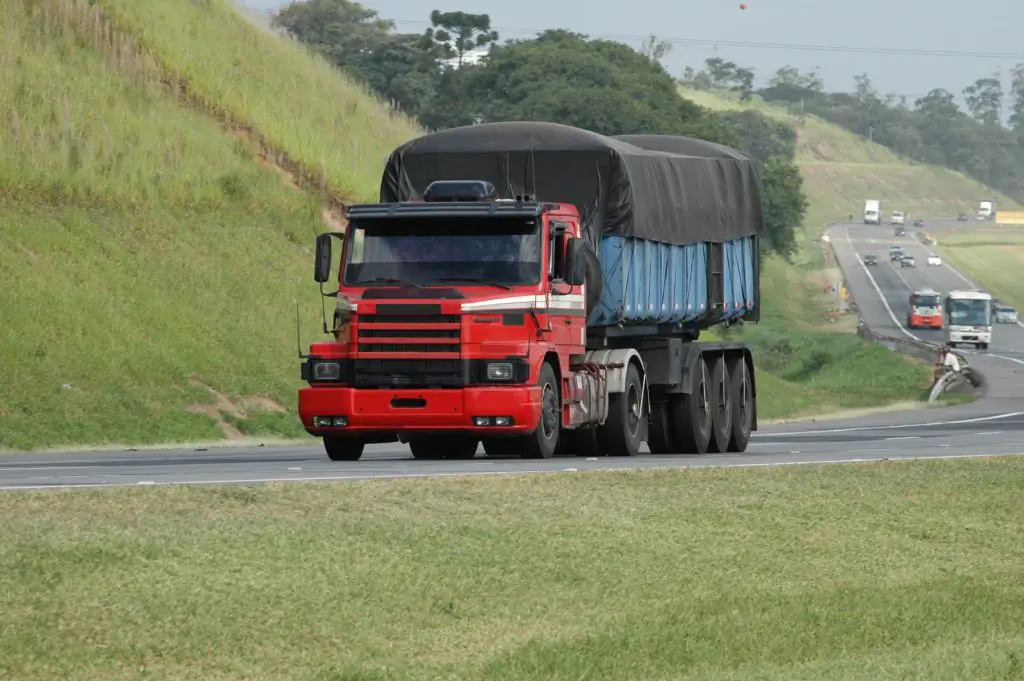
[983, 28]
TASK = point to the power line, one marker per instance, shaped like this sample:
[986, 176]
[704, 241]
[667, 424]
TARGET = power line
[625, 37]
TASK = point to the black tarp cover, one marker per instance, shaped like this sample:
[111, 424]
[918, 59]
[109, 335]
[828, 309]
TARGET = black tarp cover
[704, 192]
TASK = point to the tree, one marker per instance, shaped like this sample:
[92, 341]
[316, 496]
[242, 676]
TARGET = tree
[785, 205]
[341, 30]
[460, 32]
[1017, 92]
[761, 137]
[654, 48]
[985, 99]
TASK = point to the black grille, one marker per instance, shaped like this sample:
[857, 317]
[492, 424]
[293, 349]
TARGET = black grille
[409, 319]
[408, 373]
[409, 347]
[409, 333]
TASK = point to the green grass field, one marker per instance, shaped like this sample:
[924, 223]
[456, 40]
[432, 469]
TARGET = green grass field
[990, 256]
[899, 571]
[155, 239]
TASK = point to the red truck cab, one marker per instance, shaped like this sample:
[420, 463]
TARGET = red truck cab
[455, 323]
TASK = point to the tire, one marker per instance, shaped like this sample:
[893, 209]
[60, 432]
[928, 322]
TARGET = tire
[542, 442]
[624, 430]
[692, 416]
[660, 438]
[721, 405]
[341, 448]
[742, 390]
[437, 447]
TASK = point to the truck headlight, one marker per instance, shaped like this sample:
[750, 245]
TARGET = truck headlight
[499, 371]
[326, 371]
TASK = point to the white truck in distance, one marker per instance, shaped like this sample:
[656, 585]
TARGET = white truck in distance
[897, 218]
[872, 212]
[986, 210]
[968, 319]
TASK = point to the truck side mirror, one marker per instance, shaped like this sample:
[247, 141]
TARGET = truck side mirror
[322, 271]
[575, 270]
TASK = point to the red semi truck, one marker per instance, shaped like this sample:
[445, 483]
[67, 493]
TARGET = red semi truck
[565, 321]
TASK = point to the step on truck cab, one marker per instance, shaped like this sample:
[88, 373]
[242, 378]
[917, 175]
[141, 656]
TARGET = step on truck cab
[539, 289]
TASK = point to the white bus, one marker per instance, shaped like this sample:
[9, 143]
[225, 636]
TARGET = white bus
[968, 318]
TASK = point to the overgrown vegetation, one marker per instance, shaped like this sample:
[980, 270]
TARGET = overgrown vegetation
[984, 140]
[826, 572]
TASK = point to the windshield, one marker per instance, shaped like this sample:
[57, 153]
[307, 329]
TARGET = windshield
[926, 301]
[435, 251]
[1006, 310]
[969, 312]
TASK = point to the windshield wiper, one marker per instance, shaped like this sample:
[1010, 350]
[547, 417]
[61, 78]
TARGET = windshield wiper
[385, 280]
[477, 280]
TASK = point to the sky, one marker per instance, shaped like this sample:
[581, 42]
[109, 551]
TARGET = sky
[982, 35]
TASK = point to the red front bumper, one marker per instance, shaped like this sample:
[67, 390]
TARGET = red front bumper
[444, 410]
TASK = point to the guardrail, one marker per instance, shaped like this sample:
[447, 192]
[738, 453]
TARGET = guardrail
[918, 349]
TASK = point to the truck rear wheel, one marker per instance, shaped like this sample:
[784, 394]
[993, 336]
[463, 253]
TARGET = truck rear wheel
[343, 448]
[435, 447]
[692, 415]
[742, 405]
[623, 430]
[542, 442]
[720, 405]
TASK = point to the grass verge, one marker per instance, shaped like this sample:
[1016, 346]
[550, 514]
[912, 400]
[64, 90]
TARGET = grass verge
[904, 570]
[992, 257]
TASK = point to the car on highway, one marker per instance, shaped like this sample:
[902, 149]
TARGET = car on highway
[895, 253]
[908, 261]
[919, 223]
[934, 260]
[871, 260]
[1006, 315]
[961, 217]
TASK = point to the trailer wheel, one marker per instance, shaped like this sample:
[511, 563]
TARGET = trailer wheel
[436, 447]
[692, 415]
[721, 406]
[542, 443]
[659, 440]
[342, 448]
[742, 405]
[625, 425]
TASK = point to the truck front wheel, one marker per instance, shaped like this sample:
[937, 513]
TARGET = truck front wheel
[342, 448]
[542, 442]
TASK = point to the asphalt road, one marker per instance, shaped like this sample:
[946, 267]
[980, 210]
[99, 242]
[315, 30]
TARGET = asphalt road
[882, 294]
[993, 425]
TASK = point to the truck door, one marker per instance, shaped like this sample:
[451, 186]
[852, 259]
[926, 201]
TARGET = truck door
[566, 304]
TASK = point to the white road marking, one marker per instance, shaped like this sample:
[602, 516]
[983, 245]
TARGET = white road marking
[905, 437]
[979, 419]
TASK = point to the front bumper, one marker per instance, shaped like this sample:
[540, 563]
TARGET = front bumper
[412, 411]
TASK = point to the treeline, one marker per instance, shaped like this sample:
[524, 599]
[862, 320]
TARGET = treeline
[438, 77]
[984, 139]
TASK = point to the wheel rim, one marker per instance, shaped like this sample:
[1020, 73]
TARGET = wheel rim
[549, 413]
[633, 411]
[744, 397]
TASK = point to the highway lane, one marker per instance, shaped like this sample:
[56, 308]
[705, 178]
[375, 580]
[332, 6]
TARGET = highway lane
[882, 294]
[945, 433]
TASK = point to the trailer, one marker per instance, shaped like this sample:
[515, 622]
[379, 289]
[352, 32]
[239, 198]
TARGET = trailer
[539, 289]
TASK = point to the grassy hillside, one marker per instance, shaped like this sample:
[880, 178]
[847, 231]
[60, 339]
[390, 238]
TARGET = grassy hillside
[150, 252]
[156, 230]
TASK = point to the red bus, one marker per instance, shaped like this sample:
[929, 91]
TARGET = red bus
[925, 310]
